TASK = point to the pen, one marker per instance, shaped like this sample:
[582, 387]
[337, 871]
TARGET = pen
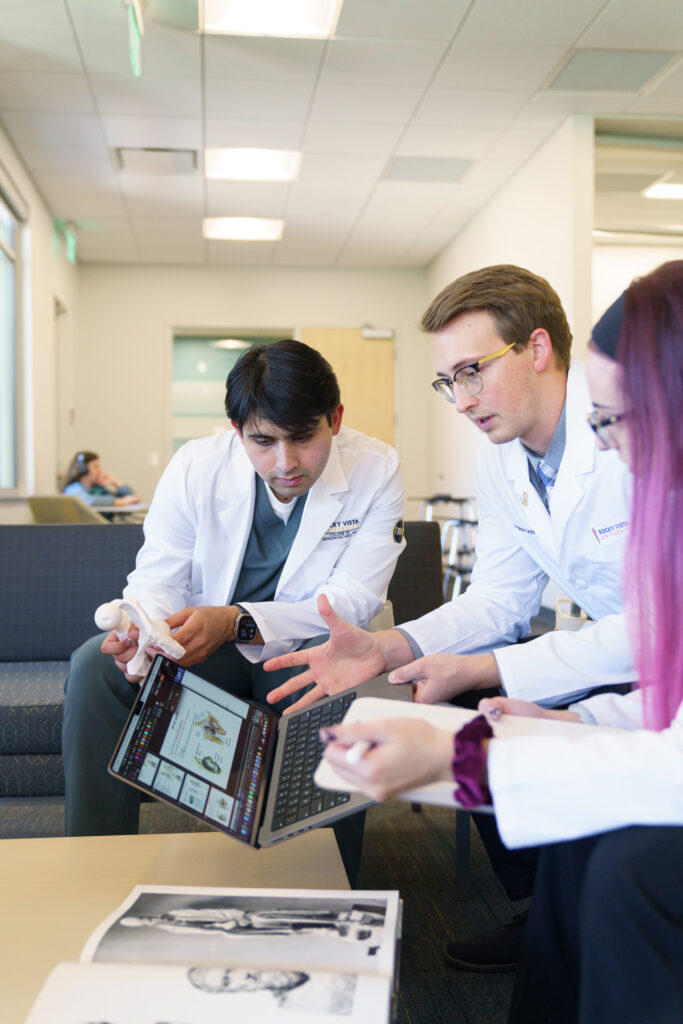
[357, 751]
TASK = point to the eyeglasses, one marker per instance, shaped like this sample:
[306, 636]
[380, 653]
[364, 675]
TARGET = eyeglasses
[467, 377]
[600, 424]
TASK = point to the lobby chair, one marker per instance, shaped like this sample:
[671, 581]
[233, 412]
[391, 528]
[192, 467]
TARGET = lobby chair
[63, 508]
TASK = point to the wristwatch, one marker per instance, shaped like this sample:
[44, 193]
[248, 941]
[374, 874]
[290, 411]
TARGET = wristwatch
[245, 627]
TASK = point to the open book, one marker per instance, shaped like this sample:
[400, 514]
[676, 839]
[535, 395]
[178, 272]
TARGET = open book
[174, 955]
[444, 716]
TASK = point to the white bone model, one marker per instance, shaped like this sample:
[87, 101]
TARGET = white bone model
[119, 614]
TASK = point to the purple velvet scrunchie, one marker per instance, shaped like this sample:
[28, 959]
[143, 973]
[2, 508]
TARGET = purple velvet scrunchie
[468, 763]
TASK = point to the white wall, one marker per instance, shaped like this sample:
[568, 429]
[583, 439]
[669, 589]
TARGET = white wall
[126, 320]
[542, 220]
[46, 276]
[615, 266]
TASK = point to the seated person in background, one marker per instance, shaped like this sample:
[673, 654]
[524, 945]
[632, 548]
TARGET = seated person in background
[85, 479]
[245, 531]
[604, 939]
[550, 507]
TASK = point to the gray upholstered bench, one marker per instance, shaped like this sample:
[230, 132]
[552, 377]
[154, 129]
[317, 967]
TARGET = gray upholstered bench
[53, 577]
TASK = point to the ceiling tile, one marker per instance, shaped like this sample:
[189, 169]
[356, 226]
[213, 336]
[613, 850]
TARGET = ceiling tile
[33, 12]
[416, 201]
[366, 104]
[164, 53]
[338, 137]
[185, 189]
[251, 59]
[31, 90]
[105, 225]
[317, 168]
[470, 109]
[337, 198]
[497, 66]
[38, 48]
[162, 227]
[610, 70]
[449, 142]
[380, 62]
[65, 158]
[655, 25]
[249, 133]
[430, 19]
[163, 132]
[425, 168]
[103, 13]
[548, 22]
[246, 198]
[84, 207]
[123, 94]
[266, 100]
[168, 250]
[69, 184]
[53, 129]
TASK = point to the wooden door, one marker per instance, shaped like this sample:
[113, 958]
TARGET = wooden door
[365, 371]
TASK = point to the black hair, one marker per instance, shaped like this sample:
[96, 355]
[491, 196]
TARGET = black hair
[285, 383]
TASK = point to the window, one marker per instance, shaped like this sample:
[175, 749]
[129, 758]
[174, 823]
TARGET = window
[9, 434]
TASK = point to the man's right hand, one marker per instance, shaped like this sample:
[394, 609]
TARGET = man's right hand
[350, 657]
[123, 651]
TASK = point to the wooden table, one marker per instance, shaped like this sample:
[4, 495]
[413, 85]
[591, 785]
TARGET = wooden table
[53, 892]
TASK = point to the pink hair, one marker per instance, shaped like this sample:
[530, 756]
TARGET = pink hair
[651, 354]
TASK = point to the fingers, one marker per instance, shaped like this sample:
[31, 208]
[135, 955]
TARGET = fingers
[328, 613]
[291, 686]
[291, 660]
[179, 618]
[493, 707]
[406, 673]
[308, 698]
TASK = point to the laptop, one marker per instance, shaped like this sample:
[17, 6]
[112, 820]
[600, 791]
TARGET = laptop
[238, 767]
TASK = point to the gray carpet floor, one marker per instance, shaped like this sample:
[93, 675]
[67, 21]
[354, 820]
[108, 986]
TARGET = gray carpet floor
[413, 852]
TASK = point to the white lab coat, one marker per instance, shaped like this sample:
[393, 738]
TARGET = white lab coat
[579, 546]
[199, 521]
[550, 789]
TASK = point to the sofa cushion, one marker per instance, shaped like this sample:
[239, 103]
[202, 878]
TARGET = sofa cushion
[31, 775]
[31, 703]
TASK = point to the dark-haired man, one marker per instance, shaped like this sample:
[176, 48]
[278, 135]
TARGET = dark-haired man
[245, 531]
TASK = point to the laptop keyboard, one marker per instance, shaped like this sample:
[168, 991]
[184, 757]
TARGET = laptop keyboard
[298, 797]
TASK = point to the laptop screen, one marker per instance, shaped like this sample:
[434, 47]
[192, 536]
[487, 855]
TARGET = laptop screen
[198, 747]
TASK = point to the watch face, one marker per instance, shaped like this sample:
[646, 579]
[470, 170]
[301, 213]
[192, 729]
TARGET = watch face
[245, 628]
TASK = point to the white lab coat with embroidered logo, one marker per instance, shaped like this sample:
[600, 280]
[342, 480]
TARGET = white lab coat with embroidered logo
[579, 545]
[198, 525]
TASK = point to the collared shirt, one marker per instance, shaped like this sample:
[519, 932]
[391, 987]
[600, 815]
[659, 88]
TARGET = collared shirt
[552, 458]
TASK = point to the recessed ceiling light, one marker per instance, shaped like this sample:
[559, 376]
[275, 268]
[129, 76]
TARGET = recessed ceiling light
[243, 229]
[252, 164]
[664, 190]
[230, 343]
[316, 19]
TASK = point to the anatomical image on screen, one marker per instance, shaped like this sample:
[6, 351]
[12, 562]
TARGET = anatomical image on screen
[202, 738]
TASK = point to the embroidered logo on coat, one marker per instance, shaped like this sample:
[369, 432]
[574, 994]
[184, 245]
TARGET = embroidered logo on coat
[605, 533]
[342, 529]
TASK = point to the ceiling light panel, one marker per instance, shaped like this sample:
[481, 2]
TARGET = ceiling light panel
[252, 164]
[304, 19]
[664, 190]
[243, 229]
[611, 70]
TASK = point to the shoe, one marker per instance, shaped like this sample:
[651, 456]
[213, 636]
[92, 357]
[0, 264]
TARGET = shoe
[488, 952]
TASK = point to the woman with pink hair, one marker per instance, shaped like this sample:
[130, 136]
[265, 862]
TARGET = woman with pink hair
[604, 939]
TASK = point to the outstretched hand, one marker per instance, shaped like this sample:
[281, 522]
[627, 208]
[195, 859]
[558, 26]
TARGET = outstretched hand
[350, 657]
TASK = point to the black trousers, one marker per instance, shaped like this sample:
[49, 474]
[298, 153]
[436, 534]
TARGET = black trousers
[604, 940]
